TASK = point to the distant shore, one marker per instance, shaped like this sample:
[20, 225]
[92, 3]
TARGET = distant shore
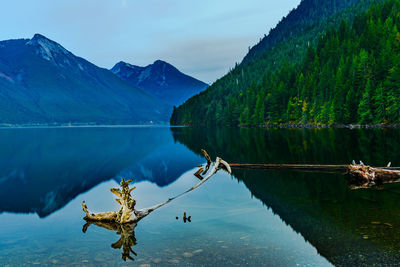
[80, 125]
[349, 126]
[93, 125]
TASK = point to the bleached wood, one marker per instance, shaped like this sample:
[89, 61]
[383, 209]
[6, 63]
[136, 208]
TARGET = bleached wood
[128, 213]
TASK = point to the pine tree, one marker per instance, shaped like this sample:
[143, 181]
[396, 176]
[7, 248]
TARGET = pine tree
[364, 108]
[339, 94]
[379, 104]
[393, 94]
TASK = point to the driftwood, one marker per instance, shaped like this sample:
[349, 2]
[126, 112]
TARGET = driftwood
[125, 220]
[127, 212]
[367, 176]
[362, 176]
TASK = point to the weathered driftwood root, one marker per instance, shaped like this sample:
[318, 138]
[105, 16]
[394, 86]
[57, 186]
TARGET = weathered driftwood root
[364, 176]
[127, 212]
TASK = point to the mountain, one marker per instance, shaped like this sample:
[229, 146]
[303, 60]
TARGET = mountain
[161, 80]
[43, 83]
[307, 14]
[264, 85]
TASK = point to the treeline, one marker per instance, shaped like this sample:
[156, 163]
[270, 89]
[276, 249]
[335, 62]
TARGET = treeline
[308, 13]
[350, 75]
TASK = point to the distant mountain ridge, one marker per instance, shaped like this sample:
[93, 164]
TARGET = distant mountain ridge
[43, 83]
[161, 80]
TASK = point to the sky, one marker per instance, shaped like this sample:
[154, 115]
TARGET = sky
[203, 39]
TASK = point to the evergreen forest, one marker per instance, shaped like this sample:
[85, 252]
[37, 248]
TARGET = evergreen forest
[347, 74]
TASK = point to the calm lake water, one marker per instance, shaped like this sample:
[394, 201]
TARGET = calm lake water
[256, 218]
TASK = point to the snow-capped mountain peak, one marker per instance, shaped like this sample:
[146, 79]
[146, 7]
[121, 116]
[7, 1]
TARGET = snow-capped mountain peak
[47, 48]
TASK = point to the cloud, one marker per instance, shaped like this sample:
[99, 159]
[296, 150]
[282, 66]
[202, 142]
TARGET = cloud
[206, 59]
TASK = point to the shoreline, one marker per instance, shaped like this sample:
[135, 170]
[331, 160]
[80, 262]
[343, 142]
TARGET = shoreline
[346, 126]
[271, 126]
[44, 126]
[305, 126]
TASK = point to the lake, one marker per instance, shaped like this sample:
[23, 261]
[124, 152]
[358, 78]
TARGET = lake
[252, 217]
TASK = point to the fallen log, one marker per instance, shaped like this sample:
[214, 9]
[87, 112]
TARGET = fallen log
[362, 176]
[301, 167]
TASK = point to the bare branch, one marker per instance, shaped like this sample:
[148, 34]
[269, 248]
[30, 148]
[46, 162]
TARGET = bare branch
[205, 154]
[116, 191]
[127, 212]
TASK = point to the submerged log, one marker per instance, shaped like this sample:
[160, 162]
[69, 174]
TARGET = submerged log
[361, 175]
[127, 212]
[299, 167]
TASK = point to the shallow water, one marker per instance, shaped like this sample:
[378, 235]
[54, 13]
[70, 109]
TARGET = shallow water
[256, 218]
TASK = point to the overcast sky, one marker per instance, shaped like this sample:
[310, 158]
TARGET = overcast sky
[201, 38]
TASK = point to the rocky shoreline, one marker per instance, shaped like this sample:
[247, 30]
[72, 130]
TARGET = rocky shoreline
[348, 126]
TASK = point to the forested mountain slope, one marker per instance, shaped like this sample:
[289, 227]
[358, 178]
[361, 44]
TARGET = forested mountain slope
[261, 90]
[308, 13]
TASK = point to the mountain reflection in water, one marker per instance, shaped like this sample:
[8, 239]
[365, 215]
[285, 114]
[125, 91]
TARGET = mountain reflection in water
[51, 166]
[348, 227]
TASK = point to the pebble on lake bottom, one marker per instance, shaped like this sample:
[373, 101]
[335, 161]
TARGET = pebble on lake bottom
[174, 261]
[197, 251]
[156, 260]
[187, 255]
[97, 259]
